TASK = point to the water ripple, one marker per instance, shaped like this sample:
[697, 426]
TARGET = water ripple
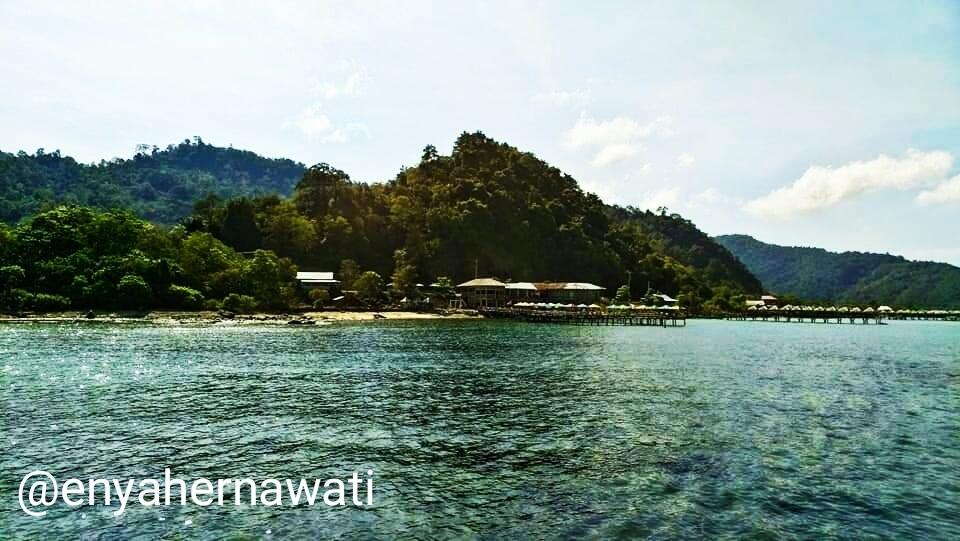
[494, 430]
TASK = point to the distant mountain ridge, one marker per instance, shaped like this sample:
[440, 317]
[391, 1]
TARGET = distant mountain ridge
[159, 184]
[855, 277]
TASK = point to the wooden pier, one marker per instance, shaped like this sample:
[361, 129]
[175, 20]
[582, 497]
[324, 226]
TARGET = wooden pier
[812, 315]
[925, 315]
[629, 318]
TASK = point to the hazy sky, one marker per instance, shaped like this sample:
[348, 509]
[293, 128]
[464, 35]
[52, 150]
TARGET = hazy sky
[832, 124]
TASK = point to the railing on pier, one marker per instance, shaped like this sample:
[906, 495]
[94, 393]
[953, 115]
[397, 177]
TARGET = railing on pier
[812, 315]
[632, 318]
[925, 315]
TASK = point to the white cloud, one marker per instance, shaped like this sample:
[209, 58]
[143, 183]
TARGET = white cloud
[684, 160]
[588, 132]
[947, 192]
[708, 198]
[617, 139]
[665, 197]
[614, 153]
[577, 97]
[712, 200]
[314, 124]
[350, 85]
[824, 187]
[335, 89]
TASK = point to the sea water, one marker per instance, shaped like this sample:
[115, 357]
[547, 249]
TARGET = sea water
[487, 429]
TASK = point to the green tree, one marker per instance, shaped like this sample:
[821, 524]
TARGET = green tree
[240, 304]
[271, 278]
[240, 229]
[134, 292]
[202, 254]
[349, 271]
[369, 287]
[444, 287]
[11, 277]
[404, 278]
[183, 298]
[288, 233]
[623, 295]
[319, 297]
[319, 189]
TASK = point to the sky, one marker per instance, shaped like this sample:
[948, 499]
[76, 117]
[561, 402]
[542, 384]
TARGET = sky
[830, 124]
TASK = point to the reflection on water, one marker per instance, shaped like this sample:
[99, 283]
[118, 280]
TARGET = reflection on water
[498, 430]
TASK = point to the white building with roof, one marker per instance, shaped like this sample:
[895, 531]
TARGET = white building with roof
[314, 280]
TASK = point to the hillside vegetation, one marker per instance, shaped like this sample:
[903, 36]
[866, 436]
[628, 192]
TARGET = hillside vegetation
[487, 207]
[159, 185]
[850, 277]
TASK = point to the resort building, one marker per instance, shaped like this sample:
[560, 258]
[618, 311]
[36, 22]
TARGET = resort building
[315, 280]
[486, 292]
[483, 292]
[662, 299]
[569, 292]
[521, 291]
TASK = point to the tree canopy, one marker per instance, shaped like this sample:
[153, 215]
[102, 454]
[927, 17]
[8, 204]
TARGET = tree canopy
[159, 185]
[71, 256]
[486, 206]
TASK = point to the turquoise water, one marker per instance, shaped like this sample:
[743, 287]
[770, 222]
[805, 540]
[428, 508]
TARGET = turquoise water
[482, 429]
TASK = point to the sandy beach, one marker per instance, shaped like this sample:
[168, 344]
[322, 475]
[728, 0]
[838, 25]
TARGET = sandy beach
[207, 317]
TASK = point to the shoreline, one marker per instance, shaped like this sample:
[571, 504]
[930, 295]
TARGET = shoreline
[163, 317]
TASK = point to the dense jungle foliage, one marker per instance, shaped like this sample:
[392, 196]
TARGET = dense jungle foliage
[849, 277]
[159, 185]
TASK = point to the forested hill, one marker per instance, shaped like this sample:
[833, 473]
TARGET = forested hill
[816, 274]
[486, 206]
[160, 185]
